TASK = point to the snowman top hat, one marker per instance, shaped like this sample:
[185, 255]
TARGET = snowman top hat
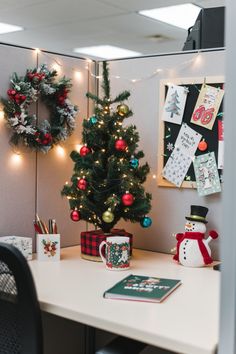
[198, 213]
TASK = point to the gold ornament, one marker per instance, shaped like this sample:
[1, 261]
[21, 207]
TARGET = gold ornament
[122, 109]
[108, 216]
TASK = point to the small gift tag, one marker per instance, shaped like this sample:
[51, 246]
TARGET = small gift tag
[48, 247]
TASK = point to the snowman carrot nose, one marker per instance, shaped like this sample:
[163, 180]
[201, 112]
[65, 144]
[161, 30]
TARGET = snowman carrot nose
[189, 225]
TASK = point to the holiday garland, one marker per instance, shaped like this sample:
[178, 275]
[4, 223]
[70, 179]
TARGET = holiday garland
[39, 83]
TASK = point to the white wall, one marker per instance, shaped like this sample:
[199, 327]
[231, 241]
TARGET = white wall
[169, 205]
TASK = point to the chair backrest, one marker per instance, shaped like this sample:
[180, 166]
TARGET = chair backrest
[20, 316]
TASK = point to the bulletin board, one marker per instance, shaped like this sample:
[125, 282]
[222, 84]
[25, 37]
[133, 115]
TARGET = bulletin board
[168, 132]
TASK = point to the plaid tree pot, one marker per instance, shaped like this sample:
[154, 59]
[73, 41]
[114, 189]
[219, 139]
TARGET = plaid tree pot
[90, 241]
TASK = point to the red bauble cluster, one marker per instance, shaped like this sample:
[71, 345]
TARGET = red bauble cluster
[127, 199]
[75, 215]
[44, 139]
[17, 97]
[82, 184]
[36, 76]
[61, 97]
[84, 151]
[120, 145]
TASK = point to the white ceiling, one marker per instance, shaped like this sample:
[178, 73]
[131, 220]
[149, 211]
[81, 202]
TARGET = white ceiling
[61, 25]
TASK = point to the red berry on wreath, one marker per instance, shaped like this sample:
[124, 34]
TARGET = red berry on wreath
[75, 215]
[82, 184]
[30, 76]
[84, 151]
[120, 145]
[127, 199]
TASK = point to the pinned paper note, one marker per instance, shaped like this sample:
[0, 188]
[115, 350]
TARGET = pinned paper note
[188, 140]
[176, 167]
[207, 177]
[175, 103]
[207, 106]
[181, 158]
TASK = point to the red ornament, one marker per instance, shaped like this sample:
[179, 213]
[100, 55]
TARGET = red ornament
[84, 151]
[75, 215]
[82, 184]
[120, 145]
[127, 199]
[202, 146]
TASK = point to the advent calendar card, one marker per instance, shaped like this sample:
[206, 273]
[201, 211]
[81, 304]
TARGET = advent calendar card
[207, 106]
[176, 167]
[206, 173]
[175, 103]
[188, 140]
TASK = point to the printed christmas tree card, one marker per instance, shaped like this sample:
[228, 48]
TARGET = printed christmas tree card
[142, 288]
[175, 103]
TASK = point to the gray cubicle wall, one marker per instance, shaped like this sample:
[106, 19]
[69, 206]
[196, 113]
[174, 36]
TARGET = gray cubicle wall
[169, 205]
[34, 184]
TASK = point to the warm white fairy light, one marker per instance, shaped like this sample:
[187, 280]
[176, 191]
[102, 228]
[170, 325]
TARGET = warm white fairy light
[1, 115]
[60, 151]
[154, 176]
[37, 50]
[16, 159]
[78, 75]
[66, 183]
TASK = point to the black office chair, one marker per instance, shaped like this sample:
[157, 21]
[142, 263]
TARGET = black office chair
[20, 316]
[122, 345]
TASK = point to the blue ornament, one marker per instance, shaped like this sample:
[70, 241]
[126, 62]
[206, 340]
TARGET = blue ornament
[134, 163]
[146, 221]
[93, 120]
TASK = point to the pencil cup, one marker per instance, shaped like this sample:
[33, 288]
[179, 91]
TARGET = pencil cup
[48, 247]
[117, 252]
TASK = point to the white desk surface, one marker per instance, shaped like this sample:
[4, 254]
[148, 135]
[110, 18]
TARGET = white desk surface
[186, 322]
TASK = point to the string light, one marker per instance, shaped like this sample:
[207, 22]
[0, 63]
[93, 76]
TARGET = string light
[78, 74]
[60, 151]
[154, 176]
[37, 50]
[16, 159]
[1, 115]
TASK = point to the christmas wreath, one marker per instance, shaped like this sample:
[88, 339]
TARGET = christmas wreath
[39, 83]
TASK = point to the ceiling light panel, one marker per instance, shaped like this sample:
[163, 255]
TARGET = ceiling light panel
[106, 52]
[182, 16]
[7, 28]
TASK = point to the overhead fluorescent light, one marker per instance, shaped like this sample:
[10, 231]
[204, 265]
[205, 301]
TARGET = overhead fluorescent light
[7, 28]
[183, 16]
[107, 52]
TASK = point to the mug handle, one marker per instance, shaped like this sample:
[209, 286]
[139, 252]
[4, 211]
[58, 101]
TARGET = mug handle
[103, 243]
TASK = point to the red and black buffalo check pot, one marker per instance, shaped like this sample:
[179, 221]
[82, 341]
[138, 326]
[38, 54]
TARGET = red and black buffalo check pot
[90, 241]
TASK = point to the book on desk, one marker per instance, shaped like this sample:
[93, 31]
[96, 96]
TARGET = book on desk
[142, 288]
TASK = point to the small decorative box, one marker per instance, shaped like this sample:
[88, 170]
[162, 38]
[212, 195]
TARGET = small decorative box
[90, 241]
[24, 244]
[48, 247]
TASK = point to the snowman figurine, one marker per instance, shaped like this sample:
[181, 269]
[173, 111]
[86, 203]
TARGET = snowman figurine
[192, 249]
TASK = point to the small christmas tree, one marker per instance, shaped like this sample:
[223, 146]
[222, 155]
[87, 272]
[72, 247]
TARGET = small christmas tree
[173, 108]
[107, 181]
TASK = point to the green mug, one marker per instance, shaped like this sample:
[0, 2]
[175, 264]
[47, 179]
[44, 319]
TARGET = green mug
[117, 252]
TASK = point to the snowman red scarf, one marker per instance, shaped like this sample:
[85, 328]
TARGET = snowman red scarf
[199, 236]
